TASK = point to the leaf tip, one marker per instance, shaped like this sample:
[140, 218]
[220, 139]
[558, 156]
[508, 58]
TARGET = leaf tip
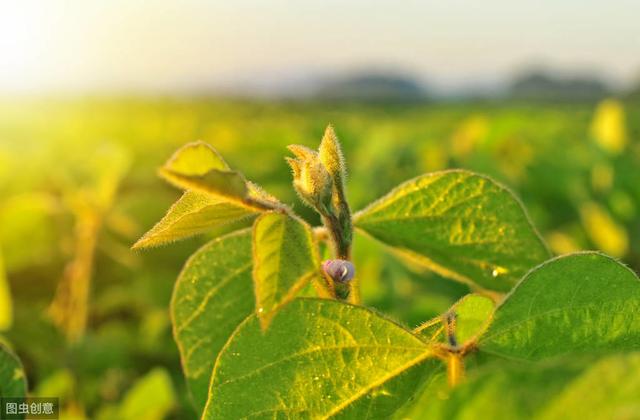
[302, 152]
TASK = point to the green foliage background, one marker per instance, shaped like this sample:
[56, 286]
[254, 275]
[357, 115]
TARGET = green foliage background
[65, 161]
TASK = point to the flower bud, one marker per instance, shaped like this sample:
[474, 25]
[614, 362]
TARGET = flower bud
[331, 156]
[311, 179]
[341, 271]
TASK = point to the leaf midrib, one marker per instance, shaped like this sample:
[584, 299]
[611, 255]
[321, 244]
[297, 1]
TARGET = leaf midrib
[315, 350]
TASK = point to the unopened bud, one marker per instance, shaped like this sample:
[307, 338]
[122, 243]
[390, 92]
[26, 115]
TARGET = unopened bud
[331, 156]
[310, 178]
[341, 271]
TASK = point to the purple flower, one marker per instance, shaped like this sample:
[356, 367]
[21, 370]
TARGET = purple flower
[339, 270]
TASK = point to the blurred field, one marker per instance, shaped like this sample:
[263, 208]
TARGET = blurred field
[78, 187]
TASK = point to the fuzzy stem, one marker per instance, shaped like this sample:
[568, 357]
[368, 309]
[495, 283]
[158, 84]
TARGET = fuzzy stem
[427, 324]
[260, 205]
[339, 242]
[339, 232]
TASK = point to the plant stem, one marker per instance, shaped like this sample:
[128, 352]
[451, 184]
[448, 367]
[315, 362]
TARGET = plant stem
[427, 324]
[340, 234]
[341, 246]
[455, 369]
[260, 205]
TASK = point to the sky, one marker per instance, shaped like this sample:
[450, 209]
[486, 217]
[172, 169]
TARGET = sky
[191, 45]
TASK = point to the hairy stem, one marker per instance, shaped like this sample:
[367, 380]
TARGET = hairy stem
[340, 240]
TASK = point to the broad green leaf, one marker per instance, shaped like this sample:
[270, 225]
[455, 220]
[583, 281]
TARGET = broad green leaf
[6, 303]
[213, 294]
[285, 260]
[566, 388]
[318, 359]
[13, 382]
[585, 302]
[460, 225]
[194, 213]
[433, 388]
[151, 397]
[386, 399]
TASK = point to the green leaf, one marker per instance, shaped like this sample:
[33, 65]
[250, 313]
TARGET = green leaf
[212, 296]
[459, 224]
[609, 389]
[229, 185]
[13, 382]
[473, 316]
[194, 213]
[151, 397]
[433, 388]
[565, 388]
[194, 159]
[285, 259]
[385, 400]
[198, 166]
[317, 359]
[585, 302]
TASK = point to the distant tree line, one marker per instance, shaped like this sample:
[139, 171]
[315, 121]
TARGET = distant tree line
[532, 85]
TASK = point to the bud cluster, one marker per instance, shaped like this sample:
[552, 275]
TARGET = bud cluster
[318, 178]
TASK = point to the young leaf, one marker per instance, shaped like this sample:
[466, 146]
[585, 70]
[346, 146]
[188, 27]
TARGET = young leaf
[585, 302]
[565, 388]
[459, 224]
[212, 296]
[317, 359]
[13, 381]
[198, 166]
[215, 196]
[473, 316]
[285, 259]
[229, 185]
[195, 158]
[192, 214]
